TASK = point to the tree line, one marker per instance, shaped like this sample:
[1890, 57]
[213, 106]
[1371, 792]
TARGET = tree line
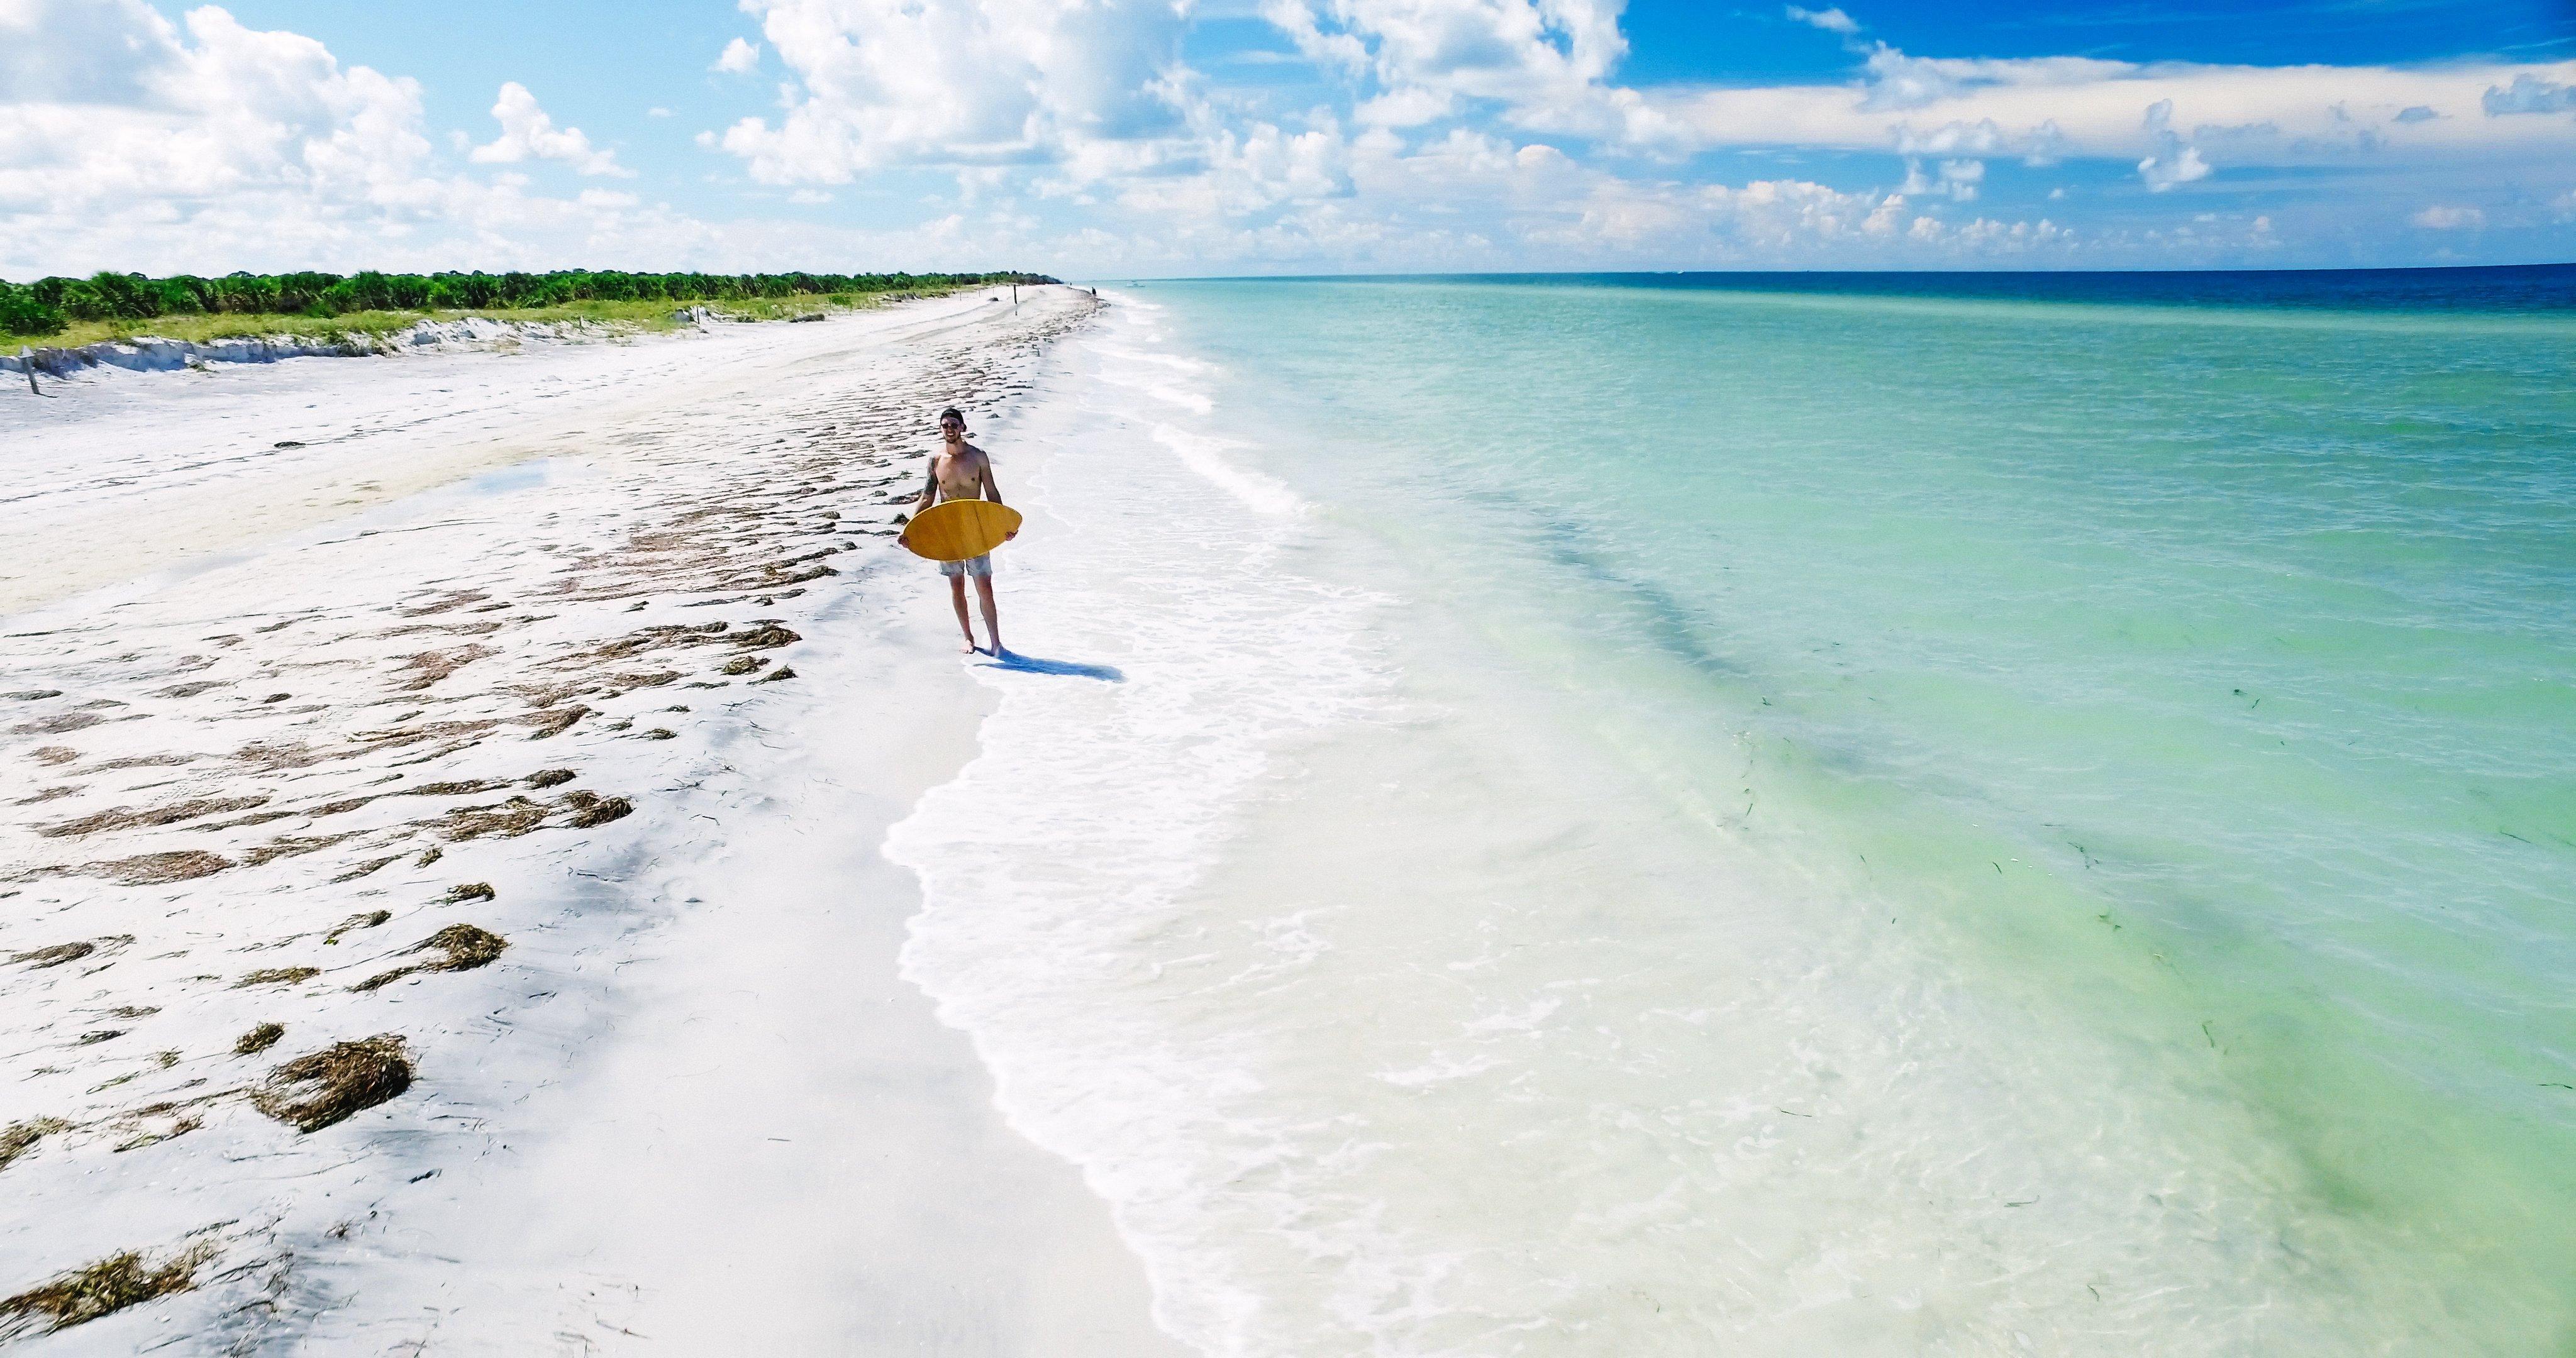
[48, 305]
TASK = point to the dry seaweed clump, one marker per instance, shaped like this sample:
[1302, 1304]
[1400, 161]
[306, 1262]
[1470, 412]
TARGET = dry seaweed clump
[367, 919]
[766, 636]
[589, 809]
[18, 1138]
[289, 846]
[667, 634]
[54, 956]
[103, 1288]
[364, 868]
[146, 1135]
[429, 667]
[278, 976]
[549, 777]
[553, 721]
[468, 891]
[463, 947]
[464, 788]
[258, 1039]
[315, 1090]
[155, 869]
[125, 818]
[466, 946]
[510, 819]
[55, 726]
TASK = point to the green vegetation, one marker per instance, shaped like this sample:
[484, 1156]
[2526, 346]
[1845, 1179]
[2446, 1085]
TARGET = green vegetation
[104, 306]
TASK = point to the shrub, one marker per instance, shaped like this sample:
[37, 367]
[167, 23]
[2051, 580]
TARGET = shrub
[46, 306]
[23, 313]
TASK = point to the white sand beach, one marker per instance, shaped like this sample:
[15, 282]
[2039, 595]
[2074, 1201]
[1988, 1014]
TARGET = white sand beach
[515, 734]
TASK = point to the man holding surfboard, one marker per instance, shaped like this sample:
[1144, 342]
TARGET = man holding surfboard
[961, 539]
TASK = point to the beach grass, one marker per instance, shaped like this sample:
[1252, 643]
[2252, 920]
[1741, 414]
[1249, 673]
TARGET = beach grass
[643, 316]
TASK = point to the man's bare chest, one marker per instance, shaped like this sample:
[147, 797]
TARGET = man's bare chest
[957, 473]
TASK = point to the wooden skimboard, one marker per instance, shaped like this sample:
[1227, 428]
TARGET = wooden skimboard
[958, 529]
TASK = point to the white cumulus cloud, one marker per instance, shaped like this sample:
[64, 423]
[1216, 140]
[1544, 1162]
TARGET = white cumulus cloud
[1830, 20]
[1956, 178]
[2057, 108]
[881, 82]
[2177, 165]
[116, 126]
[2175, 161]
[527, 133]
[1075, 135]
[2528, 94]
[1543, 63]
[130, 142]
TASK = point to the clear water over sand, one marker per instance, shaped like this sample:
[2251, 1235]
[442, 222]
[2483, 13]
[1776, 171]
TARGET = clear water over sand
[1648, 819]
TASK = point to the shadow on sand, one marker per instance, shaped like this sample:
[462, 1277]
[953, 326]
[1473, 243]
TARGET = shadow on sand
[1029, 664]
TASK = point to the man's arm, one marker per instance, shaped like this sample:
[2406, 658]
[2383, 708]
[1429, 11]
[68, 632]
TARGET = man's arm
[929, 492]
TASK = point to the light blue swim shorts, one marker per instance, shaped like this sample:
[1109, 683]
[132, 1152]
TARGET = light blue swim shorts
[980, 567]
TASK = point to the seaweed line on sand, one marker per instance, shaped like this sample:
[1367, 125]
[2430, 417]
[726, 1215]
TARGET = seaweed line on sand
[103, 1288]
[461, 947]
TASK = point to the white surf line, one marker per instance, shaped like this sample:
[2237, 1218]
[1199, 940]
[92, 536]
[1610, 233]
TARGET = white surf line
[1167, 653]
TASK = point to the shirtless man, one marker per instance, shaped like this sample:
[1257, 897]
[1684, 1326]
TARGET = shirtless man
[960, 471]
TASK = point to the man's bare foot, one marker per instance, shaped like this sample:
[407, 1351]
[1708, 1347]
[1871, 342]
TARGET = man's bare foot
[970, 648]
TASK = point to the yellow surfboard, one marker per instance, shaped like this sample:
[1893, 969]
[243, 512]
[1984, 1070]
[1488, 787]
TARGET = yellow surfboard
[959, 529]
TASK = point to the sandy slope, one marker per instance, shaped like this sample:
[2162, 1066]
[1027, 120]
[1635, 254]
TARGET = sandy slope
[636, 714]
[119, 473]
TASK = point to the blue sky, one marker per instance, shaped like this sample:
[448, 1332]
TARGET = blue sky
[1136, 137]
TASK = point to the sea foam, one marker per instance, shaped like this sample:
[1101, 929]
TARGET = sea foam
[1170, 644]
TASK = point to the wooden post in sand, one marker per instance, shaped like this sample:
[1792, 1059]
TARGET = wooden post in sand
[28, 357]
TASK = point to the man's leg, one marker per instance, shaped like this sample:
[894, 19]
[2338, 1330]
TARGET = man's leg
[992, 615]
[957, 596]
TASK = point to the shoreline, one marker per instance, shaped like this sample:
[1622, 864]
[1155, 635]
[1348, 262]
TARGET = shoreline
[1181, 658]
[686, 1098]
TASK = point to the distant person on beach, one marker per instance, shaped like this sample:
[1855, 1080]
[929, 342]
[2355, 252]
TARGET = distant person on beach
[960, 471]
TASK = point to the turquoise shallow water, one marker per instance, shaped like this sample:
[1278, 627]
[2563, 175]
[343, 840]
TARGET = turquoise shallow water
[1645, 817]
[2206, 675]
